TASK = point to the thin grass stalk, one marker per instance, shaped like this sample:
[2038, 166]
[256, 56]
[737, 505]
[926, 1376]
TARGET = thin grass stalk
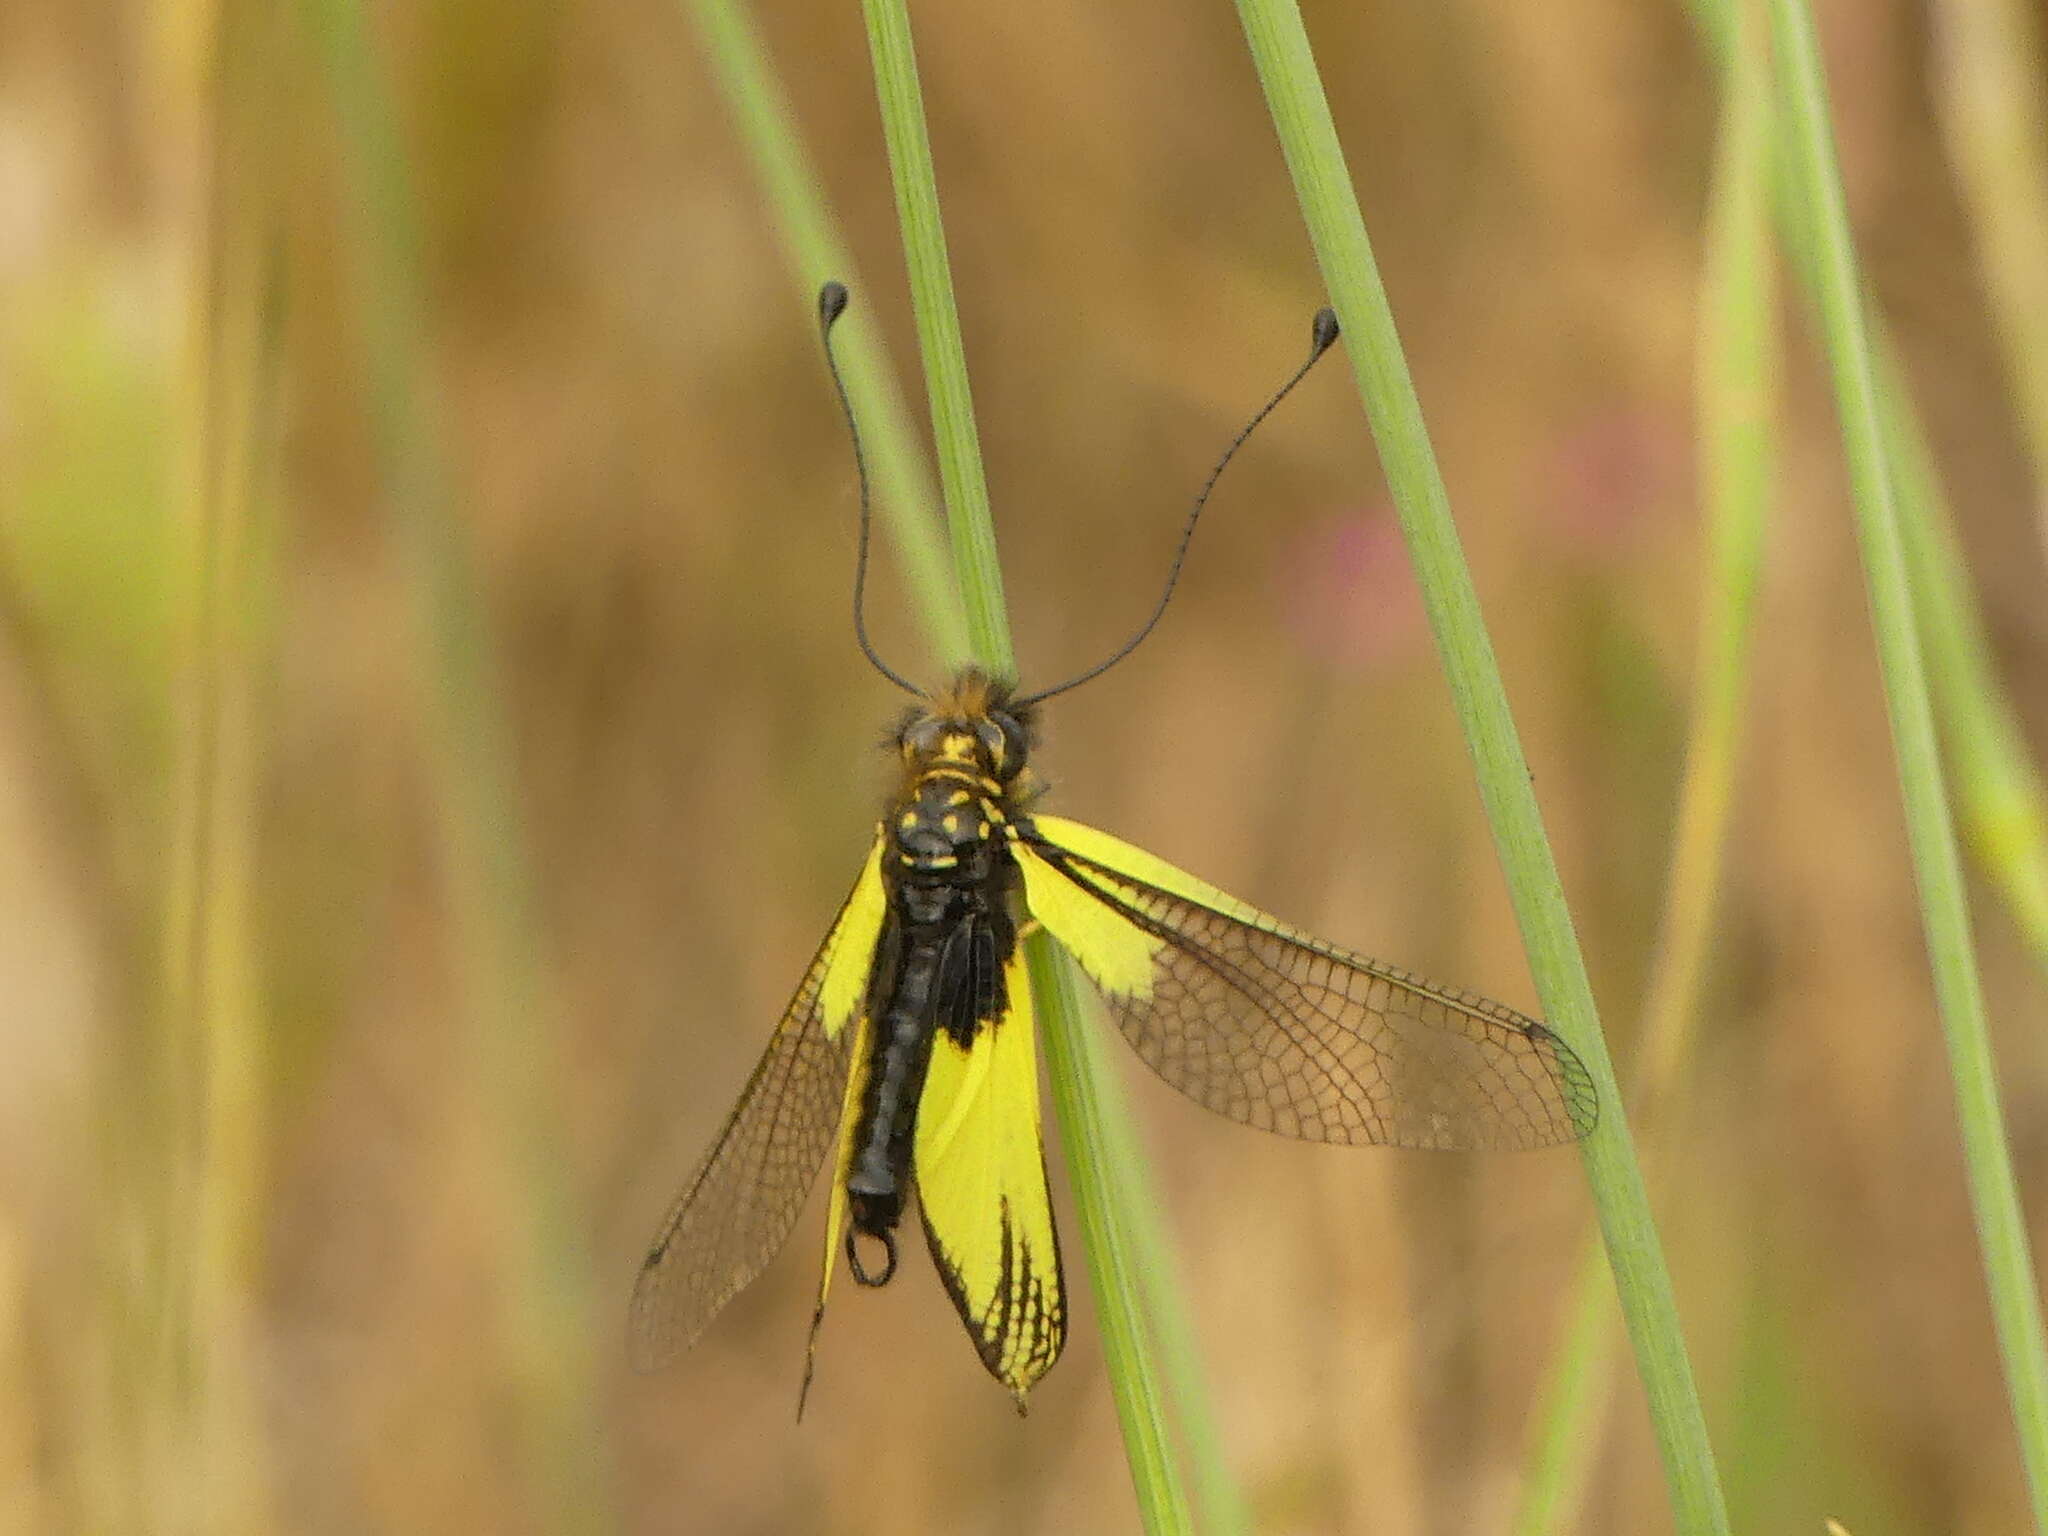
[904, 493]
[1308, 137]
[1990, 59]
[231, 621]
[1576, 1396]
[1994, 1195]
[544, 1326]
[1082, 1099]
[215, 1479]
[1123, 1268]
[901, 101]
[1218, 1500]
[2000, 790]
[168, 1432]
[2000, 794]
[1737, 407]
[1737, 396]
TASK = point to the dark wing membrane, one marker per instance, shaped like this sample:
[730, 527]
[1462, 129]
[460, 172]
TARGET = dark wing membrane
[738, 1206]
[1278, 1030]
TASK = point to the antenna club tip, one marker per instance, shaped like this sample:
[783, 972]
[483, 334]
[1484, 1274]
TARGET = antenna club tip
[1325, 329]
[832, 299]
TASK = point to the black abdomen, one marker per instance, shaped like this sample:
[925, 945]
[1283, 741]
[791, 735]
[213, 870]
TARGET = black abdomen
[901, 1049]
[939, 965]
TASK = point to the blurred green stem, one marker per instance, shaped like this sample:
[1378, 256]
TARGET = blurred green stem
[1082, 1098]
[1737, 427]
[1991, 105]
[1575, 1399]
[1308, 136]
[1737, 394]
[901, 101]
[545, 1325]
[904, 493]
[1821, 206]
[2003, 801]
[218, 1464]
[1126, 1254]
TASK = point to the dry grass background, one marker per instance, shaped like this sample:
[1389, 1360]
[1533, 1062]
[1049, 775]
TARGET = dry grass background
[643, 451]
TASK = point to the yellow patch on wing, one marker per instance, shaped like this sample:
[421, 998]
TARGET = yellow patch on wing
[835, 1217]
[836, 1211]
[981, 1189]
[1115, 952]
[1114, 853]
[853, 945]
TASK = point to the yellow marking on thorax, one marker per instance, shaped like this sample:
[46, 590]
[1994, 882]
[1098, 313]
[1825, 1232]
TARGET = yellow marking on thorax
[960, 775]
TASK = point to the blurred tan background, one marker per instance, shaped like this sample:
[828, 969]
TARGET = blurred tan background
[642, 453]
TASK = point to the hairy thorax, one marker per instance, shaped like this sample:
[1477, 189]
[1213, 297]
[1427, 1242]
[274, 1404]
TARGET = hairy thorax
[965, 777]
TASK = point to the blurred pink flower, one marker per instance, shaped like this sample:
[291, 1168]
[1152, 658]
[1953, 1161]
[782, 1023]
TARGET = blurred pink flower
[1615, 478]
[1347, 593]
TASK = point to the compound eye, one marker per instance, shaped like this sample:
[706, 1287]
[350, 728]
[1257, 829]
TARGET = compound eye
[992, 741]
[921, 739]
[1014, 745]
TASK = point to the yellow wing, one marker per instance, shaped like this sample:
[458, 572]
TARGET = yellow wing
[738, 1206]
[1274, 1028]
[981, 1187]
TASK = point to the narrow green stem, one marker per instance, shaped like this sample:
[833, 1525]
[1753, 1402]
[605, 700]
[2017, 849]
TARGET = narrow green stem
[1575, 1398]
[1308, 136]
[1999, 791]
[904, 493]
[1991, 59]
[1737, 395]
[210, 988]
[1124, 1250]
[2004, 803]
[938, 333]
[544, 1330]
[1738, 402]
[1930, 832]
[1084, 1100]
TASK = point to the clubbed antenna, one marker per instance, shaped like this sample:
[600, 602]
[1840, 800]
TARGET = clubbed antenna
[1324, 337]
[832, 299]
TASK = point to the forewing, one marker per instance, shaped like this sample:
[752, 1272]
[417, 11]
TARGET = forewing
[737, 1208]
[981, 1188]
[1276, 1029]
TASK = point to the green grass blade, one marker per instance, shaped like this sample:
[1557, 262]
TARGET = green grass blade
[1575, 1398]
[938, 333]
[1820, 204]
[1737, 350]
[1991, 57]
[1084, 1099]
[546, 1337]
[2000, 795]
[1301, 115]
[1121, 1245]
[1737, 433]
[210, 986]
[904, 494]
